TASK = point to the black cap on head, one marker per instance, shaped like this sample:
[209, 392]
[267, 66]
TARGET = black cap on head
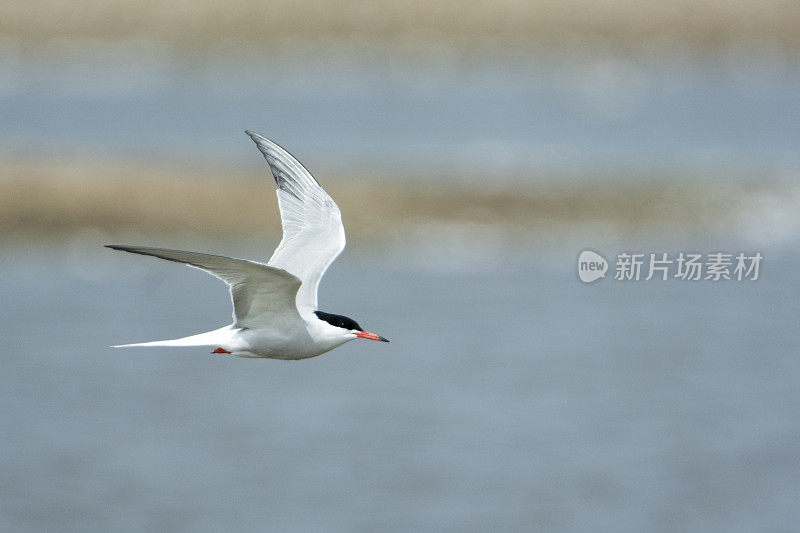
[340, 321]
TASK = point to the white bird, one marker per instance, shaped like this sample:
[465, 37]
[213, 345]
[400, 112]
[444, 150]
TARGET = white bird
[275, 311]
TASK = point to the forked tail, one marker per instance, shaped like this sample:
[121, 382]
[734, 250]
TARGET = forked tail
[218, 337]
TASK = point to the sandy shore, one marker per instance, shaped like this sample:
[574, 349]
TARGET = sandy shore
[205, 25]
[121, 198]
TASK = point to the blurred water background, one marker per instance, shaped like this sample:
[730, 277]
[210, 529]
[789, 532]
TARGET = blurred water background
[474, 151]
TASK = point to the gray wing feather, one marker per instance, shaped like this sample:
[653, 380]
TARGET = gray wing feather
[313, 234]
[261, 294]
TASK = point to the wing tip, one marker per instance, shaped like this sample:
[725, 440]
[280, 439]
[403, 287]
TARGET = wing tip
[119, 247]
[257, 138]
[122, 248]
[278, 159]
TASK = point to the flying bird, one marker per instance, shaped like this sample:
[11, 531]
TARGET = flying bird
[275, 311]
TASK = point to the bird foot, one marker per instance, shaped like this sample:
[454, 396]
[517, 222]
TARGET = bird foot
[221, 350]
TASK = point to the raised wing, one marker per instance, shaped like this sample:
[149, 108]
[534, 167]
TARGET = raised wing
[313, 234]
[262, 295]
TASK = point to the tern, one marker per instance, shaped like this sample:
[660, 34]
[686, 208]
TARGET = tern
[275, 311]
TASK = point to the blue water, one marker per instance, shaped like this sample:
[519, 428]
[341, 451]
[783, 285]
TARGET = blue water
[512, 397]
[474, 117]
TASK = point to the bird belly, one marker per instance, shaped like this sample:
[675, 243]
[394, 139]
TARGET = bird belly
[281, 345]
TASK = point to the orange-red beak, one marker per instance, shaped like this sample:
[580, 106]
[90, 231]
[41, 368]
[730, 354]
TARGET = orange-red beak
[371, 336]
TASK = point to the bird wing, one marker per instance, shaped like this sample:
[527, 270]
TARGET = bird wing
[262, 295]
[313, 234]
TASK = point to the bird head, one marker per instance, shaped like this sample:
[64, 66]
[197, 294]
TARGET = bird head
[348, 326]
